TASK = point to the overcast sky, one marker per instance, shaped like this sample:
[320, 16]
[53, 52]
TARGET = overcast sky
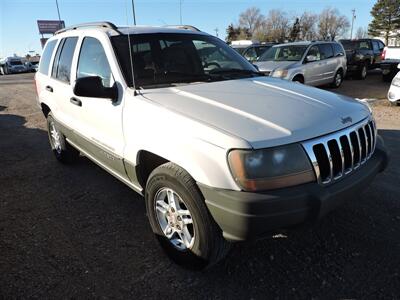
[19, 32]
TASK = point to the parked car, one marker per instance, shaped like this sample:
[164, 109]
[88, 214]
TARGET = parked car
[219, 153]
[312, 63]
[390, 61]
[31, 66]
[11, 65]
[251, 50]
[362, 55]
[394, 91]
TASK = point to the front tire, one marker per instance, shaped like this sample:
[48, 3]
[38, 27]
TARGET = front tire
[180, 219]
[63, 151]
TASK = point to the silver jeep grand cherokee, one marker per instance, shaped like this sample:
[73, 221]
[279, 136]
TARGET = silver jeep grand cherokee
[312, 63]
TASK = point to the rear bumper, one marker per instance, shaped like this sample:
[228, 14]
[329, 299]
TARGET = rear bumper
[244, 215]
[389, 67]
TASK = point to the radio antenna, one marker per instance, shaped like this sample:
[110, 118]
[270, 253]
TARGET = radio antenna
[129, 44]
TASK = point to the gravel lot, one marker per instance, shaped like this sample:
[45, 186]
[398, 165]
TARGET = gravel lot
[75, 231]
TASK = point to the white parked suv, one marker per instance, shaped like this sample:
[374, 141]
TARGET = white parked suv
[219, 152]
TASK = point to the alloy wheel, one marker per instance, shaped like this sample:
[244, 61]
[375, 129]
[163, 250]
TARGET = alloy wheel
[174, 219]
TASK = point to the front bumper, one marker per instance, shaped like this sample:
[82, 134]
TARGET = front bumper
[244, 215]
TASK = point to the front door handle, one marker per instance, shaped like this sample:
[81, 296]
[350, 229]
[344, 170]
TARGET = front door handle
[49, 88]
[75, 101]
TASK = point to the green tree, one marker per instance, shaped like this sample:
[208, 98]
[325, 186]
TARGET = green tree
[386, 19]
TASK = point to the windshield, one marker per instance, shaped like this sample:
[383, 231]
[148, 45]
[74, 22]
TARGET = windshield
[356, 45]
[166, 59]
[15, 62]
[284, 53]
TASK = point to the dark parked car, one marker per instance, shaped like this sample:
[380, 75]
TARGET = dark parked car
[252, 52]
[363, 55]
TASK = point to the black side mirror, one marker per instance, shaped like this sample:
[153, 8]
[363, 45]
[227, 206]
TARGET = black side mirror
[92, 86]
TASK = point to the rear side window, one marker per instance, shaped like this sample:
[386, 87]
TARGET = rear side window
[326, 51]
[337, 50]
[375, 45]
[63, 60]
[93, 61]
[381, 45]
[46, 56]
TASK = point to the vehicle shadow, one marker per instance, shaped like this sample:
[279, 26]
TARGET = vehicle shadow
[75, 231]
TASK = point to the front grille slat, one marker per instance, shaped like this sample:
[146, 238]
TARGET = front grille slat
[328, 152]
[337, 155]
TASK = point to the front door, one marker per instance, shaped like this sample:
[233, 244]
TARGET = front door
[101, 132]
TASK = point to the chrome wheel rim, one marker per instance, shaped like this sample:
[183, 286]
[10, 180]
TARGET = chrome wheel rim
[174, 218]
[338, 79]
[55, 138]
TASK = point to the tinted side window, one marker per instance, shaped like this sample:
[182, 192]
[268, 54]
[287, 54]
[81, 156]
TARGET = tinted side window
[93, 61]
[63, 59]
[375, 46]
[381, 45]
[326, 51]
[337, 50]
[46, 56]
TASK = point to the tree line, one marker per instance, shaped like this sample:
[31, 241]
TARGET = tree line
[278, 26]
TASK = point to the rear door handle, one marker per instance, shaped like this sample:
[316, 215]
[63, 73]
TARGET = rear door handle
[75, 101]
[49, 88]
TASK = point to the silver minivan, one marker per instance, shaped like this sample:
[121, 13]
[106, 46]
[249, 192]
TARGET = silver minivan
[312, 63]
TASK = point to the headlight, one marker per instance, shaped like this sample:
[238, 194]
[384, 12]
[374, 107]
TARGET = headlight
[280, 73]
[256, 170]
[396, 81]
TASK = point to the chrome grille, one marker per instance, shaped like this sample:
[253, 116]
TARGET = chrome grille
[336, 155]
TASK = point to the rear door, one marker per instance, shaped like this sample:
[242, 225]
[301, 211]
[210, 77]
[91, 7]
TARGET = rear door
[59, 85]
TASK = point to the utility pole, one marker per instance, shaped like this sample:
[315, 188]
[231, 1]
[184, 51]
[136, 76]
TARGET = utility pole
[353, 11]
[180, 10]
[133, 12]
[216, 32]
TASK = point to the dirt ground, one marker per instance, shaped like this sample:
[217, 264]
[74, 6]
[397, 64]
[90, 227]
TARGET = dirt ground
[76, 232]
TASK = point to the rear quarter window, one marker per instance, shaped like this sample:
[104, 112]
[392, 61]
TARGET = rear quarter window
[46, 56]
[337, 49]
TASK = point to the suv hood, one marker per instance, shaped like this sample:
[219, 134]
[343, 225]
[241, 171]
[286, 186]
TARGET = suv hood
[263, 111]
[269, 66]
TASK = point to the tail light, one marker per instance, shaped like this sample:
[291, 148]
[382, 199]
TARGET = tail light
[383, 54]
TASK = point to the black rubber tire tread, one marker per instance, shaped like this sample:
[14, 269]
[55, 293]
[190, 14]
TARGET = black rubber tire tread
[333, 84]
[299, 79]
[213, 247]
[68, 153]
[359, 72]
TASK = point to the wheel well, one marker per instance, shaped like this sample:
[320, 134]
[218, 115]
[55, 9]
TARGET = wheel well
[146, 163]
[340, 70]
[298, 77]
[45, 109]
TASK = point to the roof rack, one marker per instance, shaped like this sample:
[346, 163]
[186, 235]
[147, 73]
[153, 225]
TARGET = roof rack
[186, 27]
[92, 24]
